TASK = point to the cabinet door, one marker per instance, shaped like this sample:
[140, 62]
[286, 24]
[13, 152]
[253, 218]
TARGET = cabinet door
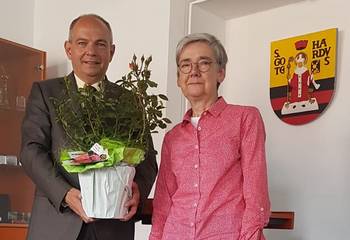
[20, 66]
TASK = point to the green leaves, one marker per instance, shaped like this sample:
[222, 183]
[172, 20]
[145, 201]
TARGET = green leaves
[87, 116]
[137, 81]
[166, 120]
[161, 96]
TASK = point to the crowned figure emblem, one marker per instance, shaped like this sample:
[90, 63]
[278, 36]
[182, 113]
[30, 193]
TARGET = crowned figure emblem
[300, 84]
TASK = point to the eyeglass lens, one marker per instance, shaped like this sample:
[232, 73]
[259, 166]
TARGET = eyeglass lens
[187, 66]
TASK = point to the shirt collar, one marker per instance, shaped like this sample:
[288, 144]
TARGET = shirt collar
[214, 110]
[81, 83]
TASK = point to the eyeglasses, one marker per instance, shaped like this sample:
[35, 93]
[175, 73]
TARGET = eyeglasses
[187, 66]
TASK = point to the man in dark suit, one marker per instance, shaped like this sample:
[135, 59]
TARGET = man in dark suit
[57, 209]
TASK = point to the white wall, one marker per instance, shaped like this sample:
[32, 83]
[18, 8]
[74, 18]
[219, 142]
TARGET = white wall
[138, 26]
[16, 21]
[309, 164]
[177, 29]
[205, 21]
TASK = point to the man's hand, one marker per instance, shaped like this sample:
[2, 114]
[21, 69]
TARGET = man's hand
[73, 200]
[133, 203]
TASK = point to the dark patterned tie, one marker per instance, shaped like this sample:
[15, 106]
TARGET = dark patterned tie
[90, 89]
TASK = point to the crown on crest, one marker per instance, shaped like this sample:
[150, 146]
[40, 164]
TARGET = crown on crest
[301, 44]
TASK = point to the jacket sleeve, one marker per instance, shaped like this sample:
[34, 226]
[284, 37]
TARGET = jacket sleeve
[36, 155]
[255, 188]
[146, 172]
[166, 184]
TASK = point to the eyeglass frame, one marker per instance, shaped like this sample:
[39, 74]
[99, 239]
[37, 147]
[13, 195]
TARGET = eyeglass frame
[209, 60]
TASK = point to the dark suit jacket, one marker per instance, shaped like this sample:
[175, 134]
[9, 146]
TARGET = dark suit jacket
[42, 138]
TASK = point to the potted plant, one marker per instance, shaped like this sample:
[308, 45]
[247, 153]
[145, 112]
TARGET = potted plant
[109, 136]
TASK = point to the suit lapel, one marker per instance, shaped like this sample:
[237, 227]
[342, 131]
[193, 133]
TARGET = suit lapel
[111, 90]
[71, 83]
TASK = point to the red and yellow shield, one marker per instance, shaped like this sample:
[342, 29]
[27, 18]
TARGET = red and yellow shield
[302, 75]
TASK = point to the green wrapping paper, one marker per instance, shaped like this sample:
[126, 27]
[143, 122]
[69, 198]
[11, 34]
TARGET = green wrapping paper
[117, 152]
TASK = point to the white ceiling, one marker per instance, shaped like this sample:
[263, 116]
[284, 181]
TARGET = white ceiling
[228, 9]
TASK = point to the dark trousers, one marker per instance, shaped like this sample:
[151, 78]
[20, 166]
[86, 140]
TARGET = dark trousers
[107, 229]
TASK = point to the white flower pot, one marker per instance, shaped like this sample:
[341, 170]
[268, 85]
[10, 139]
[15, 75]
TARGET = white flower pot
[105, 191]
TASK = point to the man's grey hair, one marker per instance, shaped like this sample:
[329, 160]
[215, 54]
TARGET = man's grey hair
[218, 49]
[74, 22]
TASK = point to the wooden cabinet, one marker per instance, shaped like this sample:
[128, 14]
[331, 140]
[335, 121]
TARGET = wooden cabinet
[20, 66]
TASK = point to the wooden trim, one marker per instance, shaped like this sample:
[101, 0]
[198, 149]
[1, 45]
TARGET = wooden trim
[278, 220]
[20, 46]
[281, 220]
[13, 231]
[13, 225]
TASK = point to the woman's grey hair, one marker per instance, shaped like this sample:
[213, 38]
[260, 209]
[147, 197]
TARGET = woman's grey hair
[213, 42]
